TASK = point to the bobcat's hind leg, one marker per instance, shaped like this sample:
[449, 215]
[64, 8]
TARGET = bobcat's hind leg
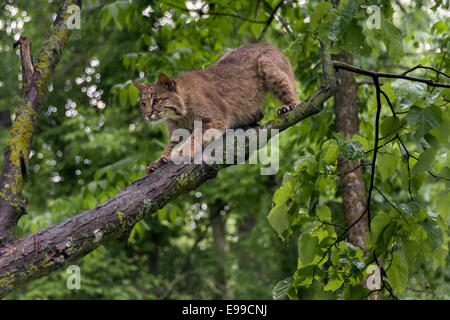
[276, 73]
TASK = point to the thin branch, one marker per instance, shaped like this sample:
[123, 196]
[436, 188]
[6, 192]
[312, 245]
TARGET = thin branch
[391, 204]
[341, 236]
[442, 62]
[407, 163]
[381, 146]
[269, 21]
[389, 102]
[286, 26]
[330, 223]
[383, 274]
[341, 65]
[419, 66]
[437, 177]
[375, 152]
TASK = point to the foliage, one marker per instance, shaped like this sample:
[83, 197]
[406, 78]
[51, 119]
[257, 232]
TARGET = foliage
[91, 142]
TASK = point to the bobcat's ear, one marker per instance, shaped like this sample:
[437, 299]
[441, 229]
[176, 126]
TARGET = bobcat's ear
[165, 82]
[139, 85]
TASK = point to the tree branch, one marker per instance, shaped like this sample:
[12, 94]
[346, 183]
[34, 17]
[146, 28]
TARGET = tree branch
[340, 65]
[35, 82]
[269, 21]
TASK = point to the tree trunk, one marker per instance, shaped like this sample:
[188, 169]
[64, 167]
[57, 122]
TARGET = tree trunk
[351, 181]
[218, 224]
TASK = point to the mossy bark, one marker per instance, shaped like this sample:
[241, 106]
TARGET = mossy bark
[36, 77]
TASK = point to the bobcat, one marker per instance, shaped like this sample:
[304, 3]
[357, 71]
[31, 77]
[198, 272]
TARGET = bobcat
[228, 94]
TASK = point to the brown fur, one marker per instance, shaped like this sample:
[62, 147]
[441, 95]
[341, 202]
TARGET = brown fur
[229, 94]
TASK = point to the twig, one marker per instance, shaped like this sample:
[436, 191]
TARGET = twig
[341, 65]
[286, 26]
[391, 204]
[419, 66]
[409, 169]
[389, 102]
[375, 152]
[330, 223]
[437, 177]
[269, 21]
[383, 274]
[387, 142]
[341, 236]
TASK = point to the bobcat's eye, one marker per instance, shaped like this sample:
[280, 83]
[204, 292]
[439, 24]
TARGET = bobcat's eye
[143, 104]
[155, 101]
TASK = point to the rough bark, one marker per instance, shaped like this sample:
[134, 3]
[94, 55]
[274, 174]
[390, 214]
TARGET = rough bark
[36, 77]
[351, 181]
[52, 248]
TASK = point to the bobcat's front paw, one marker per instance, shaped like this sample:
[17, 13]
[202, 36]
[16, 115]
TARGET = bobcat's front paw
[156, 165]
[285, 109]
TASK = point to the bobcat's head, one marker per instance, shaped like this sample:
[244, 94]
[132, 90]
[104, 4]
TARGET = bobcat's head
[160, 99]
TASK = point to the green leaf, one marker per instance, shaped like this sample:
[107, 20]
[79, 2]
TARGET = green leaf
[347, 10]
[434, 232]
[351, 150]
[106, 17]
[390, 126]
[362, 140]
[256, 29]
[387, 162]
[442, 132]
[409, 92]
[113, 10]
[443, 203]
[425, 119]
[397, 274]
[355, 42]
[324, 213]
[279, 219]
[307, 248]
[318, 13]
[133, 94]
[393, 39]
[280, 289]
[382, 230]
[425, 162]
[411, 208]
[283, 193]
[330, 151]
[333, 284]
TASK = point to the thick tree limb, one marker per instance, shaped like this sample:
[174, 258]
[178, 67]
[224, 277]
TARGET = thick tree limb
[52, 248]
[35, 82]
